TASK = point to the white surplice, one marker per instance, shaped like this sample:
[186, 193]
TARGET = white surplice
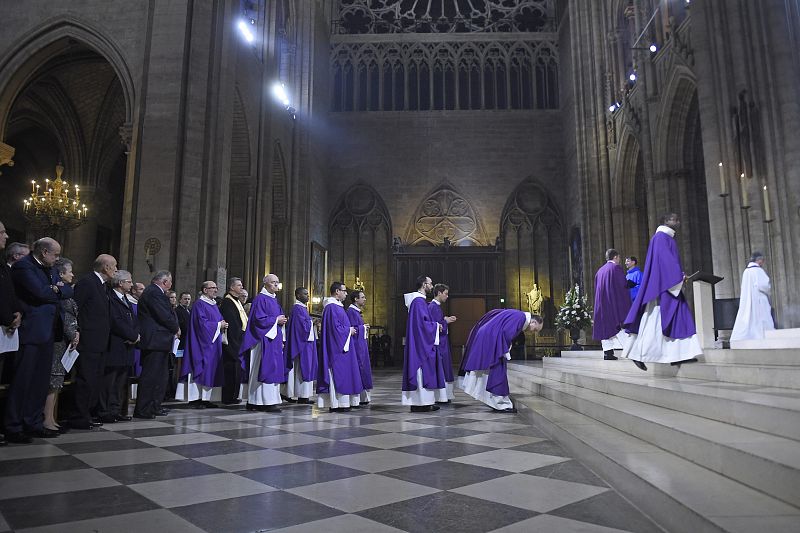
[755, 314]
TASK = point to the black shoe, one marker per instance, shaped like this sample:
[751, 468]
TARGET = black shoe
[608, 355]
[122, 418]
[144, 417]
[162, 412]
[211, 405]
[196, 404]
[510, 410]
[18, 438]
[230, 402]
[679, 363]
[45, 433]
[63, 429]
[305, 401]
[251, 407]
[109, 419]
[443, 403]
[639, 365]
[355, 406]
[422, 408]
[287, 399]
[435, 407]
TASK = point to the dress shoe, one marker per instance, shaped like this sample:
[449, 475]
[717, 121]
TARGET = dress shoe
[197, 404]
[163, 412]
[355, 406]
[271, 409]
[251, 407]
[304, 401]
[18, 438]
[421, 408]
[435, 407]
[45, 433]
[639, 365]
[509, 410]
[59, 429]
[608, 355]
[287, 399]
[210, 405]
[144, 417]
[96, 420]
[122, 418]
[339, 409]
[108, 419]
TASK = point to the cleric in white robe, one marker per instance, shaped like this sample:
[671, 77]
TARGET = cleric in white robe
[755, 314]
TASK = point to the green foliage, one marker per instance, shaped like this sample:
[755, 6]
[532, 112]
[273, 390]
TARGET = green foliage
[575, 313]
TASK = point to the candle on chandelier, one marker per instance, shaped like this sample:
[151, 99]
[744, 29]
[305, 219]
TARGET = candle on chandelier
[723, 185]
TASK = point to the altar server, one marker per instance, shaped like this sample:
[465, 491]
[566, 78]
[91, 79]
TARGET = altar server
[441, 293]
[301, 351]
[755, 314]
[339, 380]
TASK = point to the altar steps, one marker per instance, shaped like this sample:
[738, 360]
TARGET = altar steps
[778, 339]
[728, 457]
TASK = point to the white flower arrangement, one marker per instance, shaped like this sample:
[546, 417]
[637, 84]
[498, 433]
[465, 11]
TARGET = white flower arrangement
[575, 312]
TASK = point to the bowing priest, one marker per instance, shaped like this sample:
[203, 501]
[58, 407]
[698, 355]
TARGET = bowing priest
[339, 379]
[660, 321]
[360, 343]
[262, 359]
[423, 373]
[755, 314]
[441, 293]
[201, 375]
[301, 351]
[611, 305]
[487, 351]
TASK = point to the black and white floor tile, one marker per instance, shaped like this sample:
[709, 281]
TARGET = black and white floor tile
[376, 469]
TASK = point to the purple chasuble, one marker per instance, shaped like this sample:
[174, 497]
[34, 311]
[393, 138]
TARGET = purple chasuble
[342, 364]
[361, 346]
[611, 301]
[137, 353]
[420, 351]
[297, 344]
[662, 271]
[437, 315]
[489, 341]
[264, 312]
[202, 357]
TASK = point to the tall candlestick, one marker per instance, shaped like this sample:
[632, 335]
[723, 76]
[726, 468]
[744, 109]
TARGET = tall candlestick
[745, 197]
[723, 185]
[767, 208]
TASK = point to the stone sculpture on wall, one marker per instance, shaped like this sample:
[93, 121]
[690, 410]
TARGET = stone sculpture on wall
[445, 215]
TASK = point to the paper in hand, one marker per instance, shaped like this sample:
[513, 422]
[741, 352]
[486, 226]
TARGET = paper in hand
[69, 358]
[9, 340]
[175, 345]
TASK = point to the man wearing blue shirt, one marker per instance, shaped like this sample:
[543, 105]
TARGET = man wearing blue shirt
[634, 275]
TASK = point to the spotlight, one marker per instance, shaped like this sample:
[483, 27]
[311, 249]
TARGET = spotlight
[279, 93]
[653, 48]
[632, 76]
[244, 29]
[612, 108]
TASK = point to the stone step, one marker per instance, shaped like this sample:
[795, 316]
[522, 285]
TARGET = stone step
[783, 357]
[792, 333]
[768, 463]
[774, 343]
[770, 376]
[770, 410]
[583, 354]
[677, 494]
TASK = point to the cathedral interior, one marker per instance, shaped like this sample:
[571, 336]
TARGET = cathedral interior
[499, 147]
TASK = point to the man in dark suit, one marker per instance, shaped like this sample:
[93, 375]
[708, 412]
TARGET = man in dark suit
[184, 311]
[124, 335]
[158, 326]
[38, 296]
[234, 314]
[91, 295]
[10, 311]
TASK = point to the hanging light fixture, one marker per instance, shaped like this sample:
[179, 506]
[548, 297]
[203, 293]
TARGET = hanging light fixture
[56, 206]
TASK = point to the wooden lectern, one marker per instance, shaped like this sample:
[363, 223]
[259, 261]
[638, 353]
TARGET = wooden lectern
[703, 289]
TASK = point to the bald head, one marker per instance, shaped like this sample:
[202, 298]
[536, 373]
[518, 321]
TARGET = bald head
[105, 265]
[47, 251]
[271, 283]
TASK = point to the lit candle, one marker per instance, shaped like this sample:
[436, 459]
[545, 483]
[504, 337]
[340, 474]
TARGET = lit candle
[745, 197]
[767, 208]
[33, 186]
[723, 186]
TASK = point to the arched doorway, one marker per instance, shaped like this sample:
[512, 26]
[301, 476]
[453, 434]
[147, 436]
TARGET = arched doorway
[71, 109]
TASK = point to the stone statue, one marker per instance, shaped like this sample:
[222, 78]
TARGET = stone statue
[535, 300]
[358, 285]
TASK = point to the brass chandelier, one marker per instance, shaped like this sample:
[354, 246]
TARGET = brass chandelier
[53, 209]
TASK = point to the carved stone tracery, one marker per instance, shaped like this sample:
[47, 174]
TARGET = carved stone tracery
[445, 214]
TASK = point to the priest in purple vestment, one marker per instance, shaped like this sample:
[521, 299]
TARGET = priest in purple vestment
[487, 351]
[423, 373]
[360, 341]
[339, 380]
[263, 361]
[611, 305]
[441, 293]
[201, 376]
[660, 320]
[301, 351]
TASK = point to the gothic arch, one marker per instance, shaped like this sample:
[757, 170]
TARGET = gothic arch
[674, 113]
[360, 237]
[630, 197]
[241, 202]
[535, 247]
[48, 40]
[445, 212]
[279, 243]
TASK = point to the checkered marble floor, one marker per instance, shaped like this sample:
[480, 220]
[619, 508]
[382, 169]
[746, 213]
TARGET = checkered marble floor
[376, 469]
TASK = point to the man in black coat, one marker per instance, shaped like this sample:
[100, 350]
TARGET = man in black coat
[10, 311]
[158, 327]
[91, 295]
[234, 314]
[119, 359]
[38, 295]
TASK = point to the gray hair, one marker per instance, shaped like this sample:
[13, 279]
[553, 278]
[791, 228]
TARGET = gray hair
[118, 277]
[755, 256]
[231, 281]
[161, 275]
[15, 248]
[62, 263]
